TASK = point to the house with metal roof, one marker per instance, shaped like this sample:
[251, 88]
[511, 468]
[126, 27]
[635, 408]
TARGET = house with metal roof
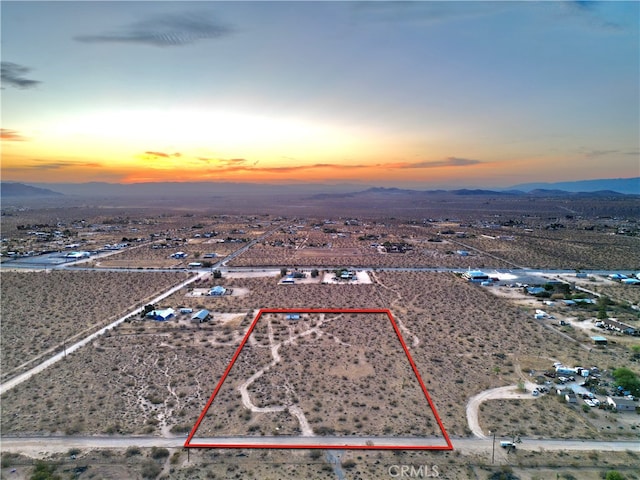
[217, 291]
[622, 404]
[475, 276]
[201, 316]
[161, 315]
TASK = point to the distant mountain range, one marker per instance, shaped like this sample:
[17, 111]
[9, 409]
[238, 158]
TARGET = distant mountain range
[602, 187]
[397, 192]
[8, 189]
[620, 185]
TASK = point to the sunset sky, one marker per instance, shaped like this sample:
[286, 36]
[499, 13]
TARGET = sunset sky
[424, 94]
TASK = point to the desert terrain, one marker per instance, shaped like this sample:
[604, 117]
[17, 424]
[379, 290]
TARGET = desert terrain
[344, 372]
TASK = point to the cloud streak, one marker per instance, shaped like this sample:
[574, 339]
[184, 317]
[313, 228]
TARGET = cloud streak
[237, 165]
[150, 155]
[447, 162]
[61, 164]
[10, 135]
[598, 153]
[164, 31]
[13, 75]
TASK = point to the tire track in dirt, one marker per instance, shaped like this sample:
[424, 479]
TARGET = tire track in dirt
[396, 305]
[294, 410]
[509, 392]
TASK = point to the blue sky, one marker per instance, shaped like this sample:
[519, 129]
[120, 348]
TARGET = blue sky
[392, 93]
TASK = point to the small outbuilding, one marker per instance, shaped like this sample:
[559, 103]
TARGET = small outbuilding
[201, 316]
[599, 340]
[535, 290]
[622, 404]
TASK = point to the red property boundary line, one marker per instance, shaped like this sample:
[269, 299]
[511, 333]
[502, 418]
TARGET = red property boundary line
[448, 446]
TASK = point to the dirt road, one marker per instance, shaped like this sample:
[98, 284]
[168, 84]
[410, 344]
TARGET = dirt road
[42, 446]
[9, 384]
[509, 392]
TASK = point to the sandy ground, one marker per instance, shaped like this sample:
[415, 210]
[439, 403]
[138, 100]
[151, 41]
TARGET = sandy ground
[254, 274]
[509, 392]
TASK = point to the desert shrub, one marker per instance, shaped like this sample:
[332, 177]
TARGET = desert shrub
[44, 471]
[614, 475]
[505, 474]
[315, 454]
[73, 452]
[131, 451]
[348, 464]
[150, 469]
[159, 452]
[181, 428]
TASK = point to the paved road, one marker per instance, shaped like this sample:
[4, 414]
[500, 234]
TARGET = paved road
[53, 444]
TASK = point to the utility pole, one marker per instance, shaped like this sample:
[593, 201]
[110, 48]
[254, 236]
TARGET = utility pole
[493, 449]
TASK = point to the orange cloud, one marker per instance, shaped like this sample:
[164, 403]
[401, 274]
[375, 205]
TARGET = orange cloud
[10, 135]
[214, 168]
[447, 162]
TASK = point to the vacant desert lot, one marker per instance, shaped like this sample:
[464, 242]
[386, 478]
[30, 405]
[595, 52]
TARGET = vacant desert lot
[40, 310]
[569, 248]
[148, 377]
[346, 372]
